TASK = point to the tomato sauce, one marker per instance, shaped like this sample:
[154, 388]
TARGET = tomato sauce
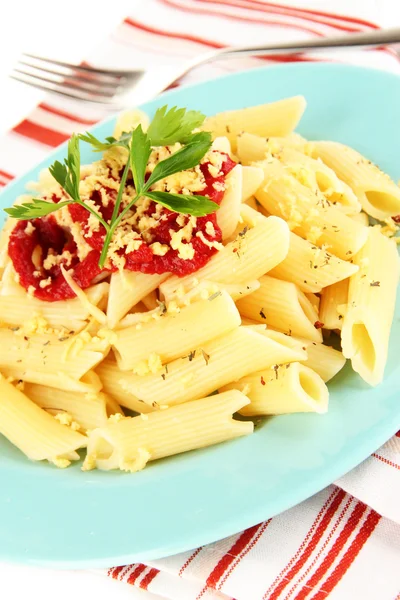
[47, 238]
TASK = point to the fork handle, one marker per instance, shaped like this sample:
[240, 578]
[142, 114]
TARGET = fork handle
[365, 39]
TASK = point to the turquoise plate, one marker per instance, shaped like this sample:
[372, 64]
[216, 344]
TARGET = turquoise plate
[70, 519]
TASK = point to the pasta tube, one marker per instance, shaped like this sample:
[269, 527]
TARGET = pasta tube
[314, 174]
[130, 443]
[324, 360]
[311, 268]
[48, 359]
[89, 410]
[281, 305]
[205, 369]
[252, 148]
[289, 388]
[254, 252]
[66, 314]
[36, 433]
[175, 334]
[129, 120]
[276, 118]
[252, 178]
[309, 215]
[371, 302]
[229, 212]
[114, 384]
[334, 304]
[378, 194]
[126, 290]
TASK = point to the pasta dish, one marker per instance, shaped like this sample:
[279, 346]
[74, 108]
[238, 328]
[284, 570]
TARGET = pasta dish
[199, 273]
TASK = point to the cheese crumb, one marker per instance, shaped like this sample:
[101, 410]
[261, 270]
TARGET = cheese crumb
[29, 229]
[59, 462]
[210, 229]
[116, 418]
[159, 249]
[66, 419]
[152, 365]
[45, 282]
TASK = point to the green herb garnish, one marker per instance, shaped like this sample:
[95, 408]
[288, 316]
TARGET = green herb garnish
[167, 127]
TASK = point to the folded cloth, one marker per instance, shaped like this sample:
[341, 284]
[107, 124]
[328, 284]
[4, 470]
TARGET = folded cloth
[344, 542]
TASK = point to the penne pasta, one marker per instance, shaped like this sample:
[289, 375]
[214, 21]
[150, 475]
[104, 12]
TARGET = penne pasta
[150, 302]
[173, 335]
[89, 410]
[362, 218]
[126, 290]
[334, 304]
[324, 360]
[70, 315]
[229, 212]
[207, 368]
[311, 268]
[281, 305]
[309, 215]
[48, 359]
[377, 193]
[206, 289]
[252, 178]
[313, 173]
[253, 148]
[36, 433]
[274, 119]
[289, 388]
[114, 385]
[252, 203]
[371, 302]
[131, 442]
[246, 258]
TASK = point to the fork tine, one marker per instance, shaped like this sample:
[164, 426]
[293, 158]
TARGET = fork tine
[68, 82]
[81, 77]
[112, 75]
[59, 89]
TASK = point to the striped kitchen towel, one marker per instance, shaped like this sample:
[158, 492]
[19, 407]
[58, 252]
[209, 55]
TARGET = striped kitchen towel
[344, 542]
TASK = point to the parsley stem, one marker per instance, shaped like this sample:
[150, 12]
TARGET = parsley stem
[120, 192]
[92, 211]
[111, 230]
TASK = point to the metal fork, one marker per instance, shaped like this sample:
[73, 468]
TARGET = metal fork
[117, 89]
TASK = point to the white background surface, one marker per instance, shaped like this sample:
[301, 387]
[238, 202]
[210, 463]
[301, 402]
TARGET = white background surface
[69, 30]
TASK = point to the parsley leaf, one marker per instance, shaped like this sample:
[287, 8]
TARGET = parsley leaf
[111, 142]
[186, 158]
[173, 125]
[35, 209]
[68, 175]
[139, 154]
[195, 205]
